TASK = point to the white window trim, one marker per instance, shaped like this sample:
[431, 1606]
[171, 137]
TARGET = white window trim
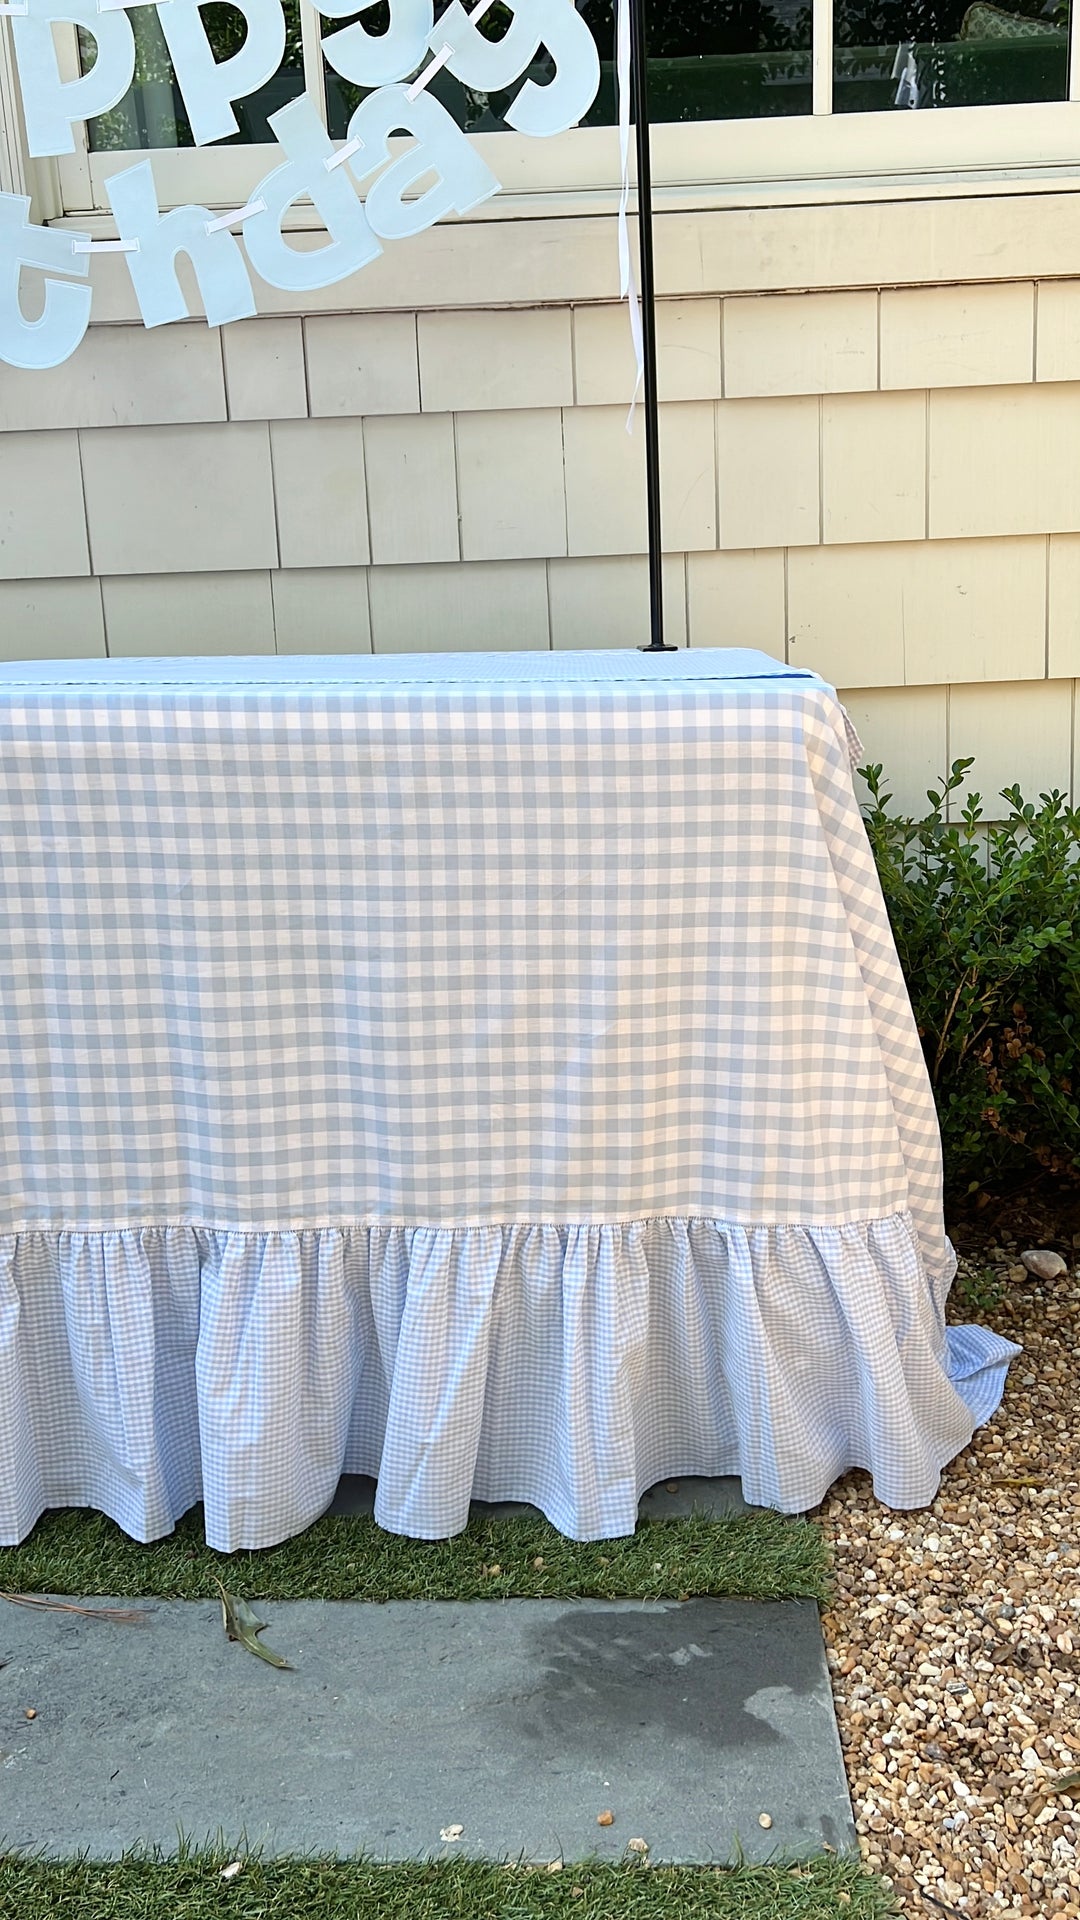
[848, 151]
[14, 167]
[821, 36]
[822, 156]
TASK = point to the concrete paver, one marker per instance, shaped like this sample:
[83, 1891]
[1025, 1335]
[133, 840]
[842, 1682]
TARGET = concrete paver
[517, 1721]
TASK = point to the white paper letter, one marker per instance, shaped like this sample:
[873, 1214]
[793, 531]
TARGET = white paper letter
[352, 243]
[378, 59]
[489, 66]
[46, 342]
[463, 178]
[216, 257]
[209, 86]
[50, 105]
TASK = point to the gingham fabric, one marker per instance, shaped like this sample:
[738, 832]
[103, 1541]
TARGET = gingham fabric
[489, 1073]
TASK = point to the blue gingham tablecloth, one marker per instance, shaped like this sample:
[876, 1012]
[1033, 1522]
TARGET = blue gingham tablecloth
[490, 1073]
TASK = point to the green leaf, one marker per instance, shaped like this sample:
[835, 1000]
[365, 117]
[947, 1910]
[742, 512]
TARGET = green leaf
[985, 914]
[240, 1624]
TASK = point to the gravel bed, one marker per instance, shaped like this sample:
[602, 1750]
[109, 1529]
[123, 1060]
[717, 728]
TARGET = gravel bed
[954, 1638]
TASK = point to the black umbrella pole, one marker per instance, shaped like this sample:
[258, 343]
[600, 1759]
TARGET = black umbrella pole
[640, 95]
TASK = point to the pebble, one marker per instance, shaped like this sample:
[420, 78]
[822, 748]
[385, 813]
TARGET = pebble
[956, 1672]
[764, 1820]
[1044, 1264]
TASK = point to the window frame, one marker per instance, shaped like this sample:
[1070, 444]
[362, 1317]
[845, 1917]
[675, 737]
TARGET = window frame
[826, 154]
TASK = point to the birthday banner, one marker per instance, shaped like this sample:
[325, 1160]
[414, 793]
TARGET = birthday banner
[309, 164]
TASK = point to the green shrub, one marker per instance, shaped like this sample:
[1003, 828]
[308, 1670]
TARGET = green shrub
[986, 918]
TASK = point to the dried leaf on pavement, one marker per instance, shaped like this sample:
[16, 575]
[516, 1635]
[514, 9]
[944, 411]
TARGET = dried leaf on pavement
[242, 1625]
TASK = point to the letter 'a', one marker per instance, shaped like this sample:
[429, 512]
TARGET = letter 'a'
[463, 179]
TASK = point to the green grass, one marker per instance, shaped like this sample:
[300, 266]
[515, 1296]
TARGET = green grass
[760, 1556]
[190, 1887]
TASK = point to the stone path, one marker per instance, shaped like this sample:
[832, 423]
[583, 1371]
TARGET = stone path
[506, 1725]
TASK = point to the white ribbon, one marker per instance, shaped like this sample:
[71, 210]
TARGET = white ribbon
[433, 67]
[234, 219]
[105, 246]
[628, 289]
[345, 153]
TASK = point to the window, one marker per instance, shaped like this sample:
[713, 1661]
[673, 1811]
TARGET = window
[741, 90]
[152, 113]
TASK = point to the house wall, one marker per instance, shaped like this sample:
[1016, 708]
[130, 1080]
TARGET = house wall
[871, 461]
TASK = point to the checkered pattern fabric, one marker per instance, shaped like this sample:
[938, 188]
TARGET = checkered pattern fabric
[489, 1072]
